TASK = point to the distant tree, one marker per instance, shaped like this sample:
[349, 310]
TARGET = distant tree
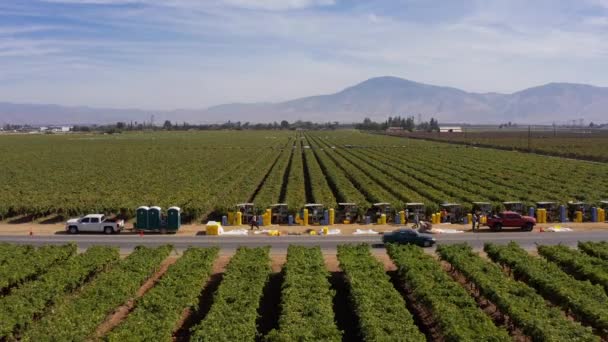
[167, 125]
[120, 125]
[284, 124]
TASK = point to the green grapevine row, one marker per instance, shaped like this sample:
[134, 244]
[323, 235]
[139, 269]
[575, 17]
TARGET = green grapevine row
[587, 301]
[455, 311]
[97, 298]
[380, 308]
[580, 265]
[233, 315]
[519, 302]
[306, 303]
[158, 311]
[23, 267]
[595, 249]
[19, 308]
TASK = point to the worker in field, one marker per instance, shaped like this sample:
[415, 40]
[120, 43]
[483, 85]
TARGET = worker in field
[254, 222]
[475, 220]
[444, 215]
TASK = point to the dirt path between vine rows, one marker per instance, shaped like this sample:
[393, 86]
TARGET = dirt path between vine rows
[121, 313]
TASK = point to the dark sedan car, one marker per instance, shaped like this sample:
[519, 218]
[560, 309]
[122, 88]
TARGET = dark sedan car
[403, 236]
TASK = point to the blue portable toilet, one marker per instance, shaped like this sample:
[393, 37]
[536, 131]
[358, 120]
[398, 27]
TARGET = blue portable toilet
[142, 218]
[154, 220]
[174, 219]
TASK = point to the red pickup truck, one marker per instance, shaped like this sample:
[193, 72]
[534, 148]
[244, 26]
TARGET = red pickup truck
[510, 219]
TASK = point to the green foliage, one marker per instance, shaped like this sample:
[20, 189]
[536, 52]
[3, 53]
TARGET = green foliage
[295, 196]
[380, 308]
[234, 312]
[158, 311]
[75, 319]
[306, 303]
[455, 311]
[595, 249]
[587, 301]
[9, 251]
[19, 309]
[579, 265]
[26, 266]
[521, 303]
[270, 193]
[321, 192]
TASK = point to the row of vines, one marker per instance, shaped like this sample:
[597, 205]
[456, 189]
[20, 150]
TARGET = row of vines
[152, 295]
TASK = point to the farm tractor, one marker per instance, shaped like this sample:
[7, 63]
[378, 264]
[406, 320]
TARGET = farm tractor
[247, 211]
[415, 211]
[381, 213]
[514, 206]
[484, 209]
[316, 213]
[454, 213]
[280, 213]
[551, 209]
[347, 213]
[579, 211]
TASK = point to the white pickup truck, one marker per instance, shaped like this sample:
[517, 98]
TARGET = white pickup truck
[94, 223]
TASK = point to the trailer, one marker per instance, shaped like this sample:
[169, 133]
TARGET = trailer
[247, 211]
[151, 219]
[452, 212]
[347, 213]
[515, 206]
[551, 208]
[316, 213]
[415, 210]
[280, 213]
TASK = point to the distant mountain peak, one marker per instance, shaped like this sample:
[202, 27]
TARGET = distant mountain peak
[377, 98]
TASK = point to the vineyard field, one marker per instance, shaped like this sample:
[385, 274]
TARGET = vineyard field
[208, 173]
[579, 144]
[402, 293]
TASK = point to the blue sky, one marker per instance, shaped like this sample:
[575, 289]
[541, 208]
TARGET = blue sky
[163, 54]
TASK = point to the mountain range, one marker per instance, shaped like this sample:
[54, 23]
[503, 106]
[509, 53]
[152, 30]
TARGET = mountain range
[376, 98]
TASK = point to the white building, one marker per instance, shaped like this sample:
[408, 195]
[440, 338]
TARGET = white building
[450, 129]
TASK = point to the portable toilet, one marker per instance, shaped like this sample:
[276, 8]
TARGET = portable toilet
[154, 219]
[604, 207]
[142, 218]
[515, 206]
[174, 218]
[280, 214]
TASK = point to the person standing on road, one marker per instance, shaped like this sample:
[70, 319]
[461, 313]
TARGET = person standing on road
[254, 222]
[474, 220]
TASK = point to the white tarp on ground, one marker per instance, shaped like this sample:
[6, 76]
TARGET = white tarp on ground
[235, 232]
[558, 229]
[331, 232]
[365, 232]
[272, 232]
[445, 231]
